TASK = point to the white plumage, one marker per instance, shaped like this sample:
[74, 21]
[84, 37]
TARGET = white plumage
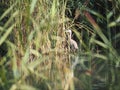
[73, 43]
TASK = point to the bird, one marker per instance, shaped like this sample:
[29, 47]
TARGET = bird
[73, 43]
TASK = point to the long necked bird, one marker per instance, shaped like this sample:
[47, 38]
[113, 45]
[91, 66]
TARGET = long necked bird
[73, 43]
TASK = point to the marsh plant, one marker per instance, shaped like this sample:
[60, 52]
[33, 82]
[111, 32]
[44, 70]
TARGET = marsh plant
[35, 53]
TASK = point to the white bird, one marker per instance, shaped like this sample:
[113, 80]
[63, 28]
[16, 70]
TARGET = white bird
[73, 43]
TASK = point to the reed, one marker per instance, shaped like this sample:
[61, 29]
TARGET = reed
[35, 54]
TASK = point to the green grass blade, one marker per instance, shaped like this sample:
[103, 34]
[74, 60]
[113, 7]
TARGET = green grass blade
[4, 37]
[11, 19]
[100, 43]
[32, 6]
[100, 56]
[53, 9]
[7, 11]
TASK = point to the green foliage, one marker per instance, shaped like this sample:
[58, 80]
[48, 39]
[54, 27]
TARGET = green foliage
[34, 52]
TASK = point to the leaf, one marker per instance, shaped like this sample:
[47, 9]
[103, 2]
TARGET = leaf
[96, 14]
[30, 37]
[22, 87]
[33, 3]
[34, 52]
[109, 15]
[80, 39]
[97, 28]
[117, 36]
[118, 19]
[7, 11]
[53, 9]
[3, 38]
[100, 56]
[26, 57]
[100, 43]
[1, 28]
[11, 18]
[114, 23]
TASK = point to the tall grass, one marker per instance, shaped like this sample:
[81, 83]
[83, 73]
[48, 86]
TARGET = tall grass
[38, 55]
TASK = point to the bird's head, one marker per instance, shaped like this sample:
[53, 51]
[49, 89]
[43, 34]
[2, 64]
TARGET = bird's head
[70, 32]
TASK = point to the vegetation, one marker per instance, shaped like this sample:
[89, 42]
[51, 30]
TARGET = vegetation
[35, 54]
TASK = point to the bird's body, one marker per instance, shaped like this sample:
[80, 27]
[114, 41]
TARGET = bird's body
[73, 43]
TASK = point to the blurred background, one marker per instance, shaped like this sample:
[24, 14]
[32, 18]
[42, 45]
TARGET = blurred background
[36, 52]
